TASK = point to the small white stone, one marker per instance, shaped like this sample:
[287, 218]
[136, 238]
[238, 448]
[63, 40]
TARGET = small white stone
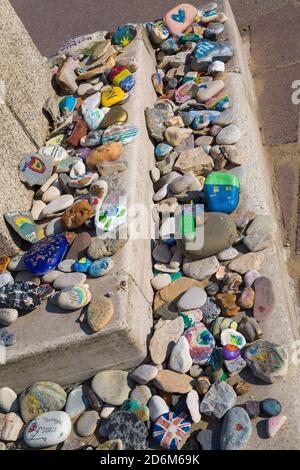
[193, 404]
[48, 429]
[160, 281]
[51, 194]
[78, 169]
[8, 400]
[106, 411]
[144, 374]
[157, 407]
[180, 359]
[37, 208]
[8, 316]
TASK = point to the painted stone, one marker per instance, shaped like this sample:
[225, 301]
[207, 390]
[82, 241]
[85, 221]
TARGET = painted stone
[45, 291]
[55, 151]
[76, 131]
[230, 352]
[124, 35]
[270, 407]
[157, 32]
[98, 193]
[264, 299]
[35, 169]
[101, 267]
[186, 92]
[170, 428]
[274, 424]
[65, 165]
[112, 214]
[122, 77]
[124, 133]
[83, 181]
[210, 311]
[202, 343]
[93, 118]
[115, 115]
[236, 429]
[137, 408]
[267, 361]
[162, 150]
[235, 366]
[218, 400]
[22, 222]
[180, 18]
[190, 317]
[74, 298]
[82, 265]
[41, 397]
[67, 104]
[170, 45]
[46, 254]
[20, 296]
[111, 96]
[91, 102]
[232, 337]
[48, 429]
[221, 191]
[129, 429]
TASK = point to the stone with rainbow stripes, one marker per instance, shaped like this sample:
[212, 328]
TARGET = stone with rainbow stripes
[74, 298]
[122, 77]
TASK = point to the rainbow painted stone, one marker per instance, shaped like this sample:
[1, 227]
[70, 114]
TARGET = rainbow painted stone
[201, 342]
[35, 169]
[74, 298]
[122, 77]
[124, 35]
[120, 133]
[46, 254]
[170, 428]
[232, 337]
[186, 92]
[23, 223]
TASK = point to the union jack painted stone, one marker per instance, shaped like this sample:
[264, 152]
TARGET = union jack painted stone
[170, 428]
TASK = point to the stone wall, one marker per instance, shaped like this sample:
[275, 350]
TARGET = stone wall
[25, 84]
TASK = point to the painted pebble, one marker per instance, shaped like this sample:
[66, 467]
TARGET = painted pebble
[236, 429]
[48, 429]
[101, 267]
[170, 428]
[74, 298]
[202, 343]
[46, 254]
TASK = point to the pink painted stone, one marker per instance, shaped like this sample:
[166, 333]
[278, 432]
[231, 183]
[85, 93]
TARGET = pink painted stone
[180, 18]
[264, 299]
[250, 277]
[274, 424]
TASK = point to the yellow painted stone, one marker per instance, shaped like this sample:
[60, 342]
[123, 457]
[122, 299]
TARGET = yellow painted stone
[115, 115]
[111, 96]
[57, 140]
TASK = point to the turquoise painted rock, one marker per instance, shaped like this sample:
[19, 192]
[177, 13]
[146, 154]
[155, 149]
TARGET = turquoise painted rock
[101, 267]
[67, 104]
[124, 35]
[270, 407]
[93, 118]
[46, 254]
[236, 429]
[41, 397]
[170, 45]
[82, 265]
[120, 133]
[162, 150]
[134, 406]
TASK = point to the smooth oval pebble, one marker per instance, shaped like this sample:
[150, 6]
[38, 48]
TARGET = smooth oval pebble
[73, 298]
[229, 135]
[69, 280]
[193, 298]
[111, 386]
[77, 402]
[59, 205]
[236, 429]
[274, 424]
[48, 429]
[51, 194]
[101, 267]
[100, 312]
[66, 265]
[158, 282]
[270, 407]
[8, 400]
[87, 423]
[157, 407]
[8, 316]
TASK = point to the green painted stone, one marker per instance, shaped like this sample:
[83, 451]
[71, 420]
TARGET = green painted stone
[137, 408]
[40, 398]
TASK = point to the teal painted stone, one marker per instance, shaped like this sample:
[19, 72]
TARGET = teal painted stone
[134, 406]
[236, 430]
[67, 104]
[162, 150]
[192, 37]
[93, 118]
[170, 45]
[65, 165]
[101, 267]
[117, 132]
[124, 35]
[46, 254]
[270, 407]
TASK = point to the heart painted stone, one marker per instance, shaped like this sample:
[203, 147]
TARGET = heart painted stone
[35, 169]
[180, 18]
[46, 254]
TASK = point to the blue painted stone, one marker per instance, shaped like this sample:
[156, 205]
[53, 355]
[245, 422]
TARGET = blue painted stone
[236, 430]
[162, 150]
[210, 310]
[170, 45]
[101, 267]
[82, 265]
[230, 352]
[46, 254]
[170, 428]
[127, 83]
[270, 407]
[67, 104]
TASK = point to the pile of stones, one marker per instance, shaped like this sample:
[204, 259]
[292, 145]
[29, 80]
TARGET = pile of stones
[210, 298]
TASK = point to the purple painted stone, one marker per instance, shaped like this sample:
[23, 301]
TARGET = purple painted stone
[230, 352]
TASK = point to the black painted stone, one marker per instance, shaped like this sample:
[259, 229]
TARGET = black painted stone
[20, 295]
[129, 428]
